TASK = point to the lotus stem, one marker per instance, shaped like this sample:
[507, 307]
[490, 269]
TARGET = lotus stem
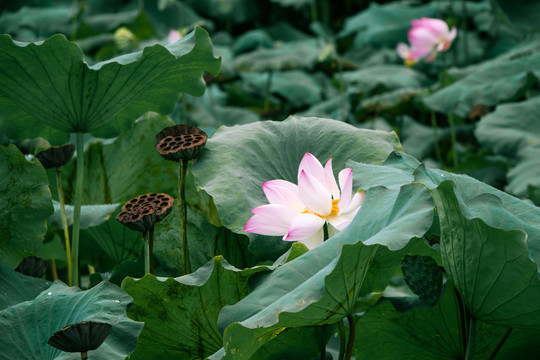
[147, 255]
[436, 137]
[453, 137]
[464, 35]
[84, 355]
[314, 12]
[472, 338]
[352, 335]
[182, 169]
[151, 249]
[500, 344]
[64, 222]
[341, 90]
[77, 208]
[342, 340]
[268, 91]
[54, 272]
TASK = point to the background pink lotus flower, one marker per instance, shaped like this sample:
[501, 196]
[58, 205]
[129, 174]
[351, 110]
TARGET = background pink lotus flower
[299, 212]
[174, 36]
[427, 37]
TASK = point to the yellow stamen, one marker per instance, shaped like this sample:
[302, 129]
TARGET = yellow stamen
[410, 62]
[334, 211]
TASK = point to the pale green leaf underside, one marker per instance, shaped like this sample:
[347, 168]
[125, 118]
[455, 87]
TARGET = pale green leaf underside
[27, 326]
[46, 89]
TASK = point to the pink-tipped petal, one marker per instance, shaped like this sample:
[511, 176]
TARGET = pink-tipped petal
[311, 166]
[314, 240]
[330, 180]
[304, 226]
[314, 194]
[284, 193]
[345, 184]
[403, 50]
[437, 27]
[422, 38]
[355, 204]
[432, 56]
[270, 219]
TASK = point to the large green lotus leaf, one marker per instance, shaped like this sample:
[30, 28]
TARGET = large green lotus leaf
[384, 25]
[489, 84]
[16, 287]
[388, 76]
[30, 23]
[27, 326]
[396, 171]
[321, 286]
[115, 239]
[111, 168]
[288, 56]
[25, 206]
[490, 267]
[46, 88]
[511, 127]
[295, 86]
[180, 314]
[495, 207]
[526, 172]
[204, 242]
[91, 215]
[246, 156]
[433, 333]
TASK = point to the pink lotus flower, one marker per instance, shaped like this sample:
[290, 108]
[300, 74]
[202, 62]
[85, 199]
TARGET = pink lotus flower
[427, 37]
[174, 36]
[299, 212]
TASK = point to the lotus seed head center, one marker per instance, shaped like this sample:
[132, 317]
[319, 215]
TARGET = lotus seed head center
[334, 211]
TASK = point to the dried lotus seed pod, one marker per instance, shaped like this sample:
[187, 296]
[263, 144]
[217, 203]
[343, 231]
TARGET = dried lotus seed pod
[56, 156]
[180, 142]
[143, 211]
[80, 337]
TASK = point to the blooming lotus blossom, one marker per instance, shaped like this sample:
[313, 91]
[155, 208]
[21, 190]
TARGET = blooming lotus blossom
[299, 212]
[427, 37]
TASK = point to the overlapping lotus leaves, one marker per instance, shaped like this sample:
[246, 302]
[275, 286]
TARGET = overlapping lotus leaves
[321, 286]
[91, 215]
[433, 333]
[488, 84]
[489, 266]
[391, 77]
[101, 99]
[287, 56]
[525, 173]
[496, 208]
[384, 24]
[25, 206]
[296, 86]
[205, 239]
[27, 326]
[511, 127]
[110, 168]
[180, 314]
[237, 152]
[16, 287]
